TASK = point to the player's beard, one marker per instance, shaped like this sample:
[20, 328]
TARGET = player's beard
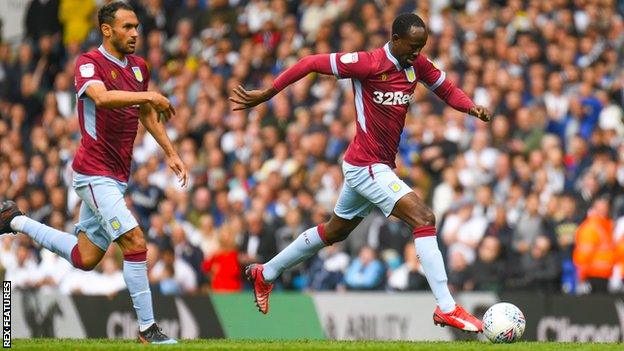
[121, 47]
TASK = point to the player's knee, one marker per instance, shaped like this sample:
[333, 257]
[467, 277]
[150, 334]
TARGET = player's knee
[86, 263]
[89, 264]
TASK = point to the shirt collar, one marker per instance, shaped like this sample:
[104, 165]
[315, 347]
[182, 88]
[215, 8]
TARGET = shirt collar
[112, 58]
[391, 57]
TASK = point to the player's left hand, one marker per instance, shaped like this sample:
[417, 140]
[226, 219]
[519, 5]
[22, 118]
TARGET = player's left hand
[481, 112]
[179, 168]
[250, 98]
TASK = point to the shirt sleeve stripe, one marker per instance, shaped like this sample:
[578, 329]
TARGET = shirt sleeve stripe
[89, 118]
[86, 85]
[439, 81]
[334, 66]
[359, 104]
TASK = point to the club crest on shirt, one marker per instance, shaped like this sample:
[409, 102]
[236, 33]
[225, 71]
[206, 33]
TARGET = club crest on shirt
[351, 57]
[137, 73]
[410, 74]
[384, 76]
[113, 74]
[87, 70]
[395, 186]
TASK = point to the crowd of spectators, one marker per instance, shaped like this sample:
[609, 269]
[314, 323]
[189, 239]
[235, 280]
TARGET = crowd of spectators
[533, 200]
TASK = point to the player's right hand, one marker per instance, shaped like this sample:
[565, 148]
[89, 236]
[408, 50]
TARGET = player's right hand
[250, 98]
[179, 168]
[163, 106]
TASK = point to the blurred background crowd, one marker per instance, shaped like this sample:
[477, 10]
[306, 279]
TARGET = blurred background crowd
[533, 200]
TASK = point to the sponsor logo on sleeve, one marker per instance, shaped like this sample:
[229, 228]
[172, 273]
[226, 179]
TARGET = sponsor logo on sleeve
[351, 57]
[87, 70]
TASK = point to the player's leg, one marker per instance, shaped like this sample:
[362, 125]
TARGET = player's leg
[86, 255]
[392, 196]
[77, 250]
[105, 195]
[308, 243]
[350, 208]
[302, 248]
[134, 249]
[411, 209]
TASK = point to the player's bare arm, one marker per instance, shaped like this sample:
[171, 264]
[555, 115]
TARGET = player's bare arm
[104, 98]
[320, 63]
[149, 118]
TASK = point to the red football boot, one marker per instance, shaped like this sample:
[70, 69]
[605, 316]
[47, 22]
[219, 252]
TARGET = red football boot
[262, 289]
[457, 318]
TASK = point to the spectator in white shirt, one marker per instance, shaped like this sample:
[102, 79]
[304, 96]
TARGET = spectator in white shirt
[25, 273]
[462, 230]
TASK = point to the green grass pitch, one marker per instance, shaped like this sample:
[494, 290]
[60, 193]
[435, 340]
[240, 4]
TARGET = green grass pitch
[222, 344]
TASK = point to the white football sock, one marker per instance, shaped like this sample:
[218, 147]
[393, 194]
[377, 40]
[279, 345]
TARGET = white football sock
[431, 260]
[54, 240]
[17, 223]
[307, 244]
[135, 275]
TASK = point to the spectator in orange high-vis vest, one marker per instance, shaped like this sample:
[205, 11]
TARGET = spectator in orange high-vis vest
[594, 254]
[616, 282]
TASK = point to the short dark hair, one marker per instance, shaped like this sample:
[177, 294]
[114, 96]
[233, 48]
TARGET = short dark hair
[107, 13]
[404, 22]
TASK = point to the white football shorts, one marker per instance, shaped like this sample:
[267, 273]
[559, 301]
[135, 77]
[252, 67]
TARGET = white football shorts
[368, 186]
[104, 216]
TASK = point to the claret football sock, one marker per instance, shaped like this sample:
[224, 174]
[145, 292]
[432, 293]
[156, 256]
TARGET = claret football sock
[431, 260]
[306, 245]
[54, 240]
[135, 275]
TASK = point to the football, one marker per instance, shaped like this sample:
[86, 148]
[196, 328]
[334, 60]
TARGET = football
[503, 323]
